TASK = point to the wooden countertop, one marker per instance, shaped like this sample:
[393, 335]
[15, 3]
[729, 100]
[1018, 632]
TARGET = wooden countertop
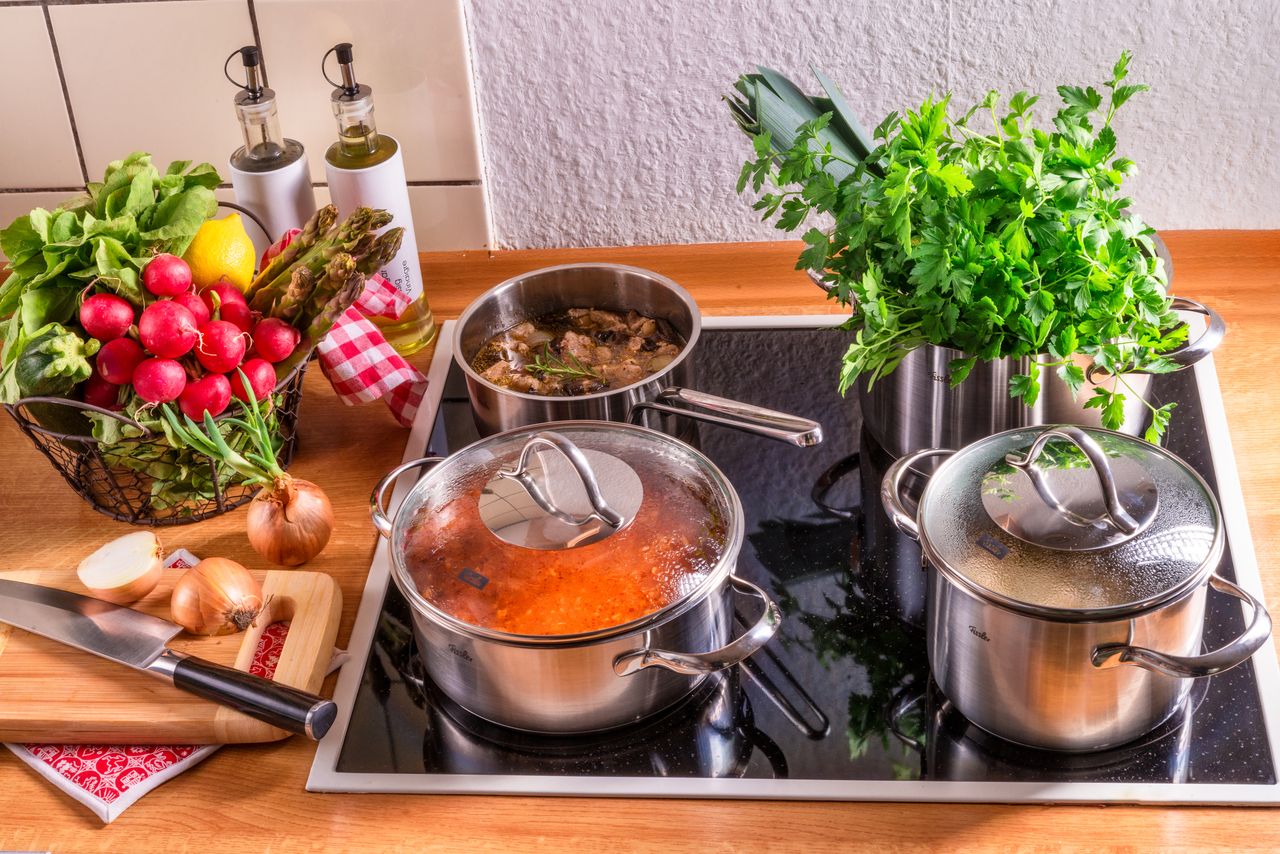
[251, 799]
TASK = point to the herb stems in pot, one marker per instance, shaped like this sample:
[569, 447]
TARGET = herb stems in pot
[290, 519]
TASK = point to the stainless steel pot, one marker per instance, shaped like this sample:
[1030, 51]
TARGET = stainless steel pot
[606, 286]
[1068, 570]
[593, 680]
[915, 406]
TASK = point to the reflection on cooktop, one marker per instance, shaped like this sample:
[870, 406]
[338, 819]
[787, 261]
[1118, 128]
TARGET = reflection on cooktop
[844, 691]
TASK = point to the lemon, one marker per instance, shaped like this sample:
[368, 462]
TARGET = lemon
[221, 249]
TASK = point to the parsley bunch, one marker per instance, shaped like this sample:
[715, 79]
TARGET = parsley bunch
[985, 234]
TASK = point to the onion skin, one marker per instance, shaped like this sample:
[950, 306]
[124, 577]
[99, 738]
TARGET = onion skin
[290, 522]
[216, 597]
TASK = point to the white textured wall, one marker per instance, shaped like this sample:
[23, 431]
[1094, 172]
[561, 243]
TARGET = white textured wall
[603, 125]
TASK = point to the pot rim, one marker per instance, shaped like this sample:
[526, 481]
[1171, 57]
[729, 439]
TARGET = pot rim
[657, 278]
[1077, 615]
[715, 579]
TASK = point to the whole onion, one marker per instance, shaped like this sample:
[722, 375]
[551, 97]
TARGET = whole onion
[290, 522]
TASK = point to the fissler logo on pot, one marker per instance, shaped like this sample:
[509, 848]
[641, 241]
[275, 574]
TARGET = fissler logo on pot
[939, 378]
[461, 653]
[973, 630]
[991, 544]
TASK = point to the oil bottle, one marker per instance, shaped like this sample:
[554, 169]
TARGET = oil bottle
[269, 173]
[365, 168]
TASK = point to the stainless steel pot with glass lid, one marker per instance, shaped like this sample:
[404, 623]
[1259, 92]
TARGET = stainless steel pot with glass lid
[572, 577]
[1068, 575]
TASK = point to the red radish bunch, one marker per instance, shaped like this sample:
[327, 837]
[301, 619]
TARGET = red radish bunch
[183, 347]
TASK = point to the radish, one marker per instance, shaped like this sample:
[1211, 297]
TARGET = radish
[211, 393]
[221, 346]
[262, 379]
[99, 392]
[118, 359]
[159, 380]
[274, 339]
[166, 275]
[106, 316]
[192, 303]
[225, 302]
[167, 329]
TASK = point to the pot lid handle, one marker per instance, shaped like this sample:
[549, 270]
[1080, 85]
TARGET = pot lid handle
[1051, 502]
[557, 501]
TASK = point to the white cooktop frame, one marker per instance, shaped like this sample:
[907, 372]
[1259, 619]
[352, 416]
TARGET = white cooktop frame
[325, 777]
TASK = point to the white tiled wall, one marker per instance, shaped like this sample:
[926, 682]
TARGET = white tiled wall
[102, 79]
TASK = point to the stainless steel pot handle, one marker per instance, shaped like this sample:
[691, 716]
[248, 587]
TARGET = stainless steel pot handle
[891, 490]
[1188, 355]
[555, 441]
[803, 432]
[1226, 657]
[1114, 516]
[1208, 340]
[377, 500]
[699, 663]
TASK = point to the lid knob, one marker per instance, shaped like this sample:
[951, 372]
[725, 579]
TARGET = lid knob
[569, 498]
[1070, 496]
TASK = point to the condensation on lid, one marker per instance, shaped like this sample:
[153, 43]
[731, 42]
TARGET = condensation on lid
[959, 533]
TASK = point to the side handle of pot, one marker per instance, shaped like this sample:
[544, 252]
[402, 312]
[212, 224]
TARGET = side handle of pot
[891, 490]
[378, 499]
[699, 663]
[1208, 341]
[713, 409]
[1188, 355]
[1192, 666]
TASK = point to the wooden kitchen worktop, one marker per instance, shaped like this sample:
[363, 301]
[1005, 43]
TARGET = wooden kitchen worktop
[251, 799]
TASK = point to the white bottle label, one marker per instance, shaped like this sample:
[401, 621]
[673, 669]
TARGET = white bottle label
[382, 186]
[282, 199]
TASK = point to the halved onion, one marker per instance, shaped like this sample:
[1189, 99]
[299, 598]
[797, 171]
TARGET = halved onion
[125, 569]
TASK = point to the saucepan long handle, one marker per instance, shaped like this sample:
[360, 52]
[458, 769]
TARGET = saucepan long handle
[712, 409]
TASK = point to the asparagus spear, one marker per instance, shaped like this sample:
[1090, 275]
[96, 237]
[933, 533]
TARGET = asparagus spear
[301, 285]
[320, 223]
[347, 237]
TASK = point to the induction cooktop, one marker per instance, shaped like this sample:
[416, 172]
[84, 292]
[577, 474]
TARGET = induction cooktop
[840, 705]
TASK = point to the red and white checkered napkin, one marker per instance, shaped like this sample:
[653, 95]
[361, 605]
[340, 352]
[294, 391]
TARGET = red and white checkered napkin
[356, 358]
[108, 778]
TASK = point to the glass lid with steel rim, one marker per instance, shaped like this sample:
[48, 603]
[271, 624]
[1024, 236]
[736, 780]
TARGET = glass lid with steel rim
[1070, 519]
[565, 529]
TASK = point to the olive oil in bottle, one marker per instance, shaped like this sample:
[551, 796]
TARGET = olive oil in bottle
[269, 172]
[365, 169]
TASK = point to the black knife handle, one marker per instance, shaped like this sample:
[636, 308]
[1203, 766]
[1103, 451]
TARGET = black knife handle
[279, 705]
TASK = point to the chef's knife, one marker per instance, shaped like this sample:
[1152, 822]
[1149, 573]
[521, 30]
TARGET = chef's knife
[138, 640]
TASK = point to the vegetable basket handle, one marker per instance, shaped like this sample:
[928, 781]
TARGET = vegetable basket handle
[31, 424]
[251, 215]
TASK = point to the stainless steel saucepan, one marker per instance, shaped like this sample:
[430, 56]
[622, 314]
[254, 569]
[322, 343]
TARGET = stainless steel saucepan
[613, 287]
[1068, 570]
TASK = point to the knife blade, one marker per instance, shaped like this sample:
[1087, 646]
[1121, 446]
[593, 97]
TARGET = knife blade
[139, 641]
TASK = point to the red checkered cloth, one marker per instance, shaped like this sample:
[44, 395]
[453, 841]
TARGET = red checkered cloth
[355, 357]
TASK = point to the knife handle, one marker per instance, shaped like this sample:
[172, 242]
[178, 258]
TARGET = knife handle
[279, 705]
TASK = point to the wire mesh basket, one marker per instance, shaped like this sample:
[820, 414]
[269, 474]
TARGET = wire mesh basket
[125, 492]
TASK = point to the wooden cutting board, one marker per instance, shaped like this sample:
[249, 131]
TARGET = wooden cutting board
[52, 693]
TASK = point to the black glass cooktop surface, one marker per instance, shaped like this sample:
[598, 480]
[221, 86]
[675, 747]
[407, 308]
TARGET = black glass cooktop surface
[843, 694]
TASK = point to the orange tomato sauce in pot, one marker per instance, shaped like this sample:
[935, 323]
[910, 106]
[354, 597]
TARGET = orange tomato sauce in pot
[674, 543]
